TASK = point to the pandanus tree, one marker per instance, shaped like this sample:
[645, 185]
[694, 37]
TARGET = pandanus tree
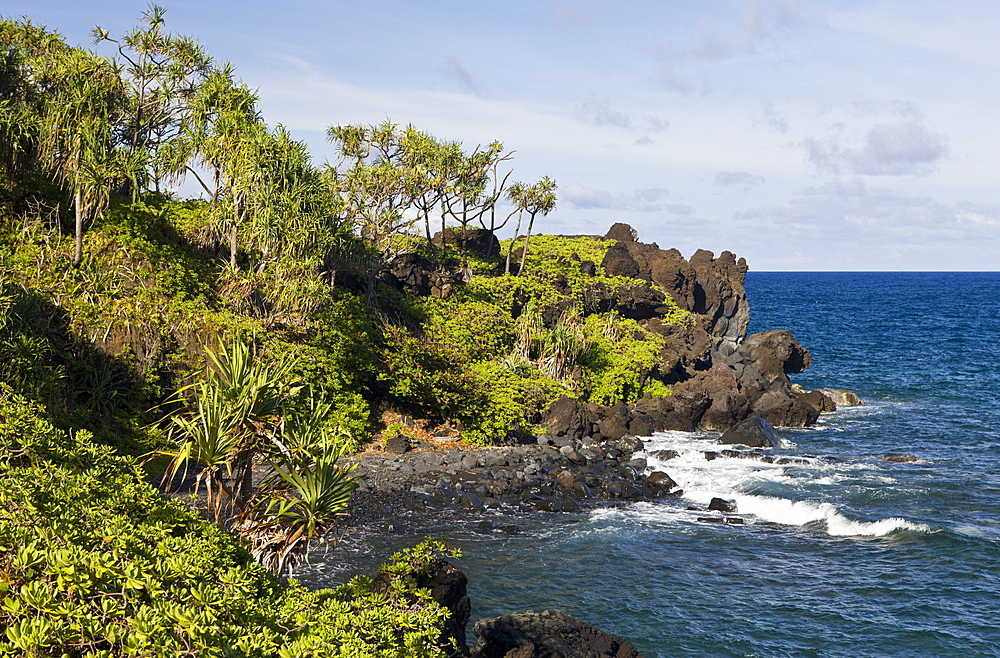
[25, 80]
[470, 196]
[376, 190]
[531, 200]
[76, 137]
[222, 136]
[236, 416]
[162, 73]
[59, 111]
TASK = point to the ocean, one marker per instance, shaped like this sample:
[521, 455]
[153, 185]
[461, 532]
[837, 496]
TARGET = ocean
[842, 553]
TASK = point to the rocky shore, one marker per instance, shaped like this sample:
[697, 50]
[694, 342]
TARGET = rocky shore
[591, 455]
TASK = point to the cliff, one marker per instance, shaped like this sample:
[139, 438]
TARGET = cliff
[719, 376]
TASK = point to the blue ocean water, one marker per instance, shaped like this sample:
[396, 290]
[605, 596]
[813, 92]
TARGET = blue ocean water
[842, 554]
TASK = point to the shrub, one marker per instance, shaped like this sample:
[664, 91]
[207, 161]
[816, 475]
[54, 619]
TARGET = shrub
[93, 562]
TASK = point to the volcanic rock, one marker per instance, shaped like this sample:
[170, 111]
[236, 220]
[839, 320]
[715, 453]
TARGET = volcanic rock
[783, 409]
[842, 397]
[548, 634]
[722, 505]
[754, 432]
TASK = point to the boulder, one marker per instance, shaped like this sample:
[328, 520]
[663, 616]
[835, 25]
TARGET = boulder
[754, 432]
[842, 397]
[566, 479]
[621, 232]
[817, 400]
[567, 416]
[548, 634]
[782, 409]
[773, 354]
[614, 426]
[398, 444]
[660, 482]
[722, 505]
[478, 241]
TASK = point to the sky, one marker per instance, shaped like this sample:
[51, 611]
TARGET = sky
[801, 135]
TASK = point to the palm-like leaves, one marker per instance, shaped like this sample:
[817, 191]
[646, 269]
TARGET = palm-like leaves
[301, 503]
[236, 416]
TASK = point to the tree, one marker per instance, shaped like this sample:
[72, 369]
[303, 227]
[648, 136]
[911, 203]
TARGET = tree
[162, 73]
[223, 135]
[76, 137]
[376, 191]
[537, 199]
[233, 417]
[469, 199]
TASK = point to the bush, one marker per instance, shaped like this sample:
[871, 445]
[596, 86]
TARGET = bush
[93, 562]
[620, 359]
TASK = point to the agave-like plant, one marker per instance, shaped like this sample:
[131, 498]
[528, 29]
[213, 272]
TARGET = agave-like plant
[207, 437]
[297, 505]
[235, 412]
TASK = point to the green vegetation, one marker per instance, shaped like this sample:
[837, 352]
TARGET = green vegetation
[260, 326]
[95, 562]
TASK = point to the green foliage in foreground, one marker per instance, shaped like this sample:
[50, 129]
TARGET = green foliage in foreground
[94, 562]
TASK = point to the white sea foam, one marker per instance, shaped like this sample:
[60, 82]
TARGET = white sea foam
[731, 478]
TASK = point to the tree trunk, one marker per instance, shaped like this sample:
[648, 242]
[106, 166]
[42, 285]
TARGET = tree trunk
[513, 241]
[232, 247]
[237, 218]
[78, 248]
[524, 253]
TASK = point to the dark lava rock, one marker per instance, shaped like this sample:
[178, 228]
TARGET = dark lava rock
[397, 445]
[472, 502]
[448, 586]
[660, 482]
[567, 416]
[479, 241]
[621, 232]
[754, 432]
[817, 400]
[783, 409]
[548, 634]
[774, 354]
[721, 505]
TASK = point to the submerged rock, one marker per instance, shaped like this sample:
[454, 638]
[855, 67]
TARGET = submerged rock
[901, 458]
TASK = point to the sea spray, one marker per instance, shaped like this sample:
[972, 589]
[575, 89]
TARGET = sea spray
[704, 474]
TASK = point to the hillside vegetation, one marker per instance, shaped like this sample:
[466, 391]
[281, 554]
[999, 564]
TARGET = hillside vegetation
[280, 319]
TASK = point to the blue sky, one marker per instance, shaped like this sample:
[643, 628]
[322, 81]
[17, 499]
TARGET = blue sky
[849, 135]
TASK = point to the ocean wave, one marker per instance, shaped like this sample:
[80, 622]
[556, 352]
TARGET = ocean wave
[801, 513]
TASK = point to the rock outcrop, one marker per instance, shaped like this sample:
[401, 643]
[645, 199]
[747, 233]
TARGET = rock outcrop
[548, 634]
[754, 432]
[448, 586]
[706, 285]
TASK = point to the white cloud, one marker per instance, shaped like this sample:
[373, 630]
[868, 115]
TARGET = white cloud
[599, 112]
[643, 200]
[852, 210]
[742, 178]
[581, 196]
[902, 148]
[770, 119]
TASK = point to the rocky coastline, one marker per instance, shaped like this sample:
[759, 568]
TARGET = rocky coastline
[591, 455]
